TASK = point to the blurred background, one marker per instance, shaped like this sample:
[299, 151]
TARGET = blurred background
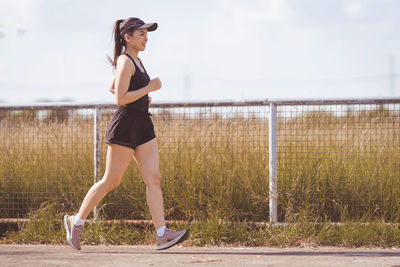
[55, 50]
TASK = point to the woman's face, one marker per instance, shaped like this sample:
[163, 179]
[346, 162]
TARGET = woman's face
[138, 39]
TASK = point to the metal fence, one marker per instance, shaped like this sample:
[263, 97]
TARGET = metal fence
[248, 160]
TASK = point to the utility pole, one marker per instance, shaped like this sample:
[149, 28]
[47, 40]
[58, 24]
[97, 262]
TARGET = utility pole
[187, 82]
[392, 75]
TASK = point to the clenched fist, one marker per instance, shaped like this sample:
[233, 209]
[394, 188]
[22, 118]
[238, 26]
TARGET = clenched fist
[154, 84]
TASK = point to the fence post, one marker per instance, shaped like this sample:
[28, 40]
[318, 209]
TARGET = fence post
[96, 140]
[273, 183]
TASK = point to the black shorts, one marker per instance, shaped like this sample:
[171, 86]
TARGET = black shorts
[130, 128]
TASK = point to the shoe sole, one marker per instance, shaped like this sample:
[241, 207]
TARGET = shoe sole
[68, 232]
[175, 241]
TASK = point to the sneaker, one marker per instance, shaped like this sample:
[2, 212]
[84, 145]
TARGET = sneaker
[73, 232]
[171, 238]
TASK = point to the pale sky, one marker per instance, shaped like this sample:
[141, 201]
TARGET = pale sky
[223, 49]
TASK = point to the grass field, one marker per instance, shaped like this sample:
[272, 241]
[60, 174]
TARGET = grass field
[45, 227]
[330, 168]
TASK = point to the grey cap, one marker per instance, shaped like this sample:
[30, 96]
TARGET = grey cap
[139, 24]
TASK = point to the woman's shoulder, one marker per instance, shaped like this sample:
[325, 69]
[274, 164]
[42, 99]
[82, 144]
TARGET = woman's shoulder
[124, 61]
[124, 58]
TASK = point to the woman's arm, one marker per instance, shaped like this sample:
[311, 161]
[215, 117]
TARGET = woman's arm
[111, 90]
[125, 69]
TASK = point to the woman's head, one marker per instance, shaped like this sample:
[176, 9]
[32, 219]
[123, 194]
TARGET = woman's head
[130, 32]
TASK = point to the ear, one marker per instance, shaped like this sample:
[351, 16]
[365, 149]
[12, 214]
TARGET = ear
[127, 37]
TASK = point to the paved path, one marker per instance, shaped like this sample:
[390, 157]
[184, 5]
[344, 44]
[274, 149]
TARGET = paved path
[57, 255]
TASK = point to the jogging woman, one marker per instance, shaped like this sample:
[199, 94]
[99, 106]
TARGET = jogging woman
[130, 134]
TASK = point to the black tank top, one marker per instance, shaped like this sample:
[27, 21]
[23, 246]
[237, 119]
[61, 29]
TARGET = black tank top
[138, 80]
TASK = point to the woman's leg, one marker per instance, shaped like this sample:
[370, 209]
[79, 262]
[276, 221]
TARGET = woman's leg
[146, 156]
[117, 161]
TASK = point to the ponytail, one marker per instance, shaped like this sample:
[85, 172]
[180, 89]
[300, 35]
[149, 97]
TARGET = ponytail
[119, 42]
[122, 27]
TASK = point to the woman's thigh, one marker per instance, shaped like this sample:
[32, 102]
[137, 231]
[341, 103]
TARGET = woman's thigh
[147, 158]
[118, 159]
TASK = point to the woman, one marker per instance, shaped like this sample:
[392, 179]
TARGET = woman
[130, 134]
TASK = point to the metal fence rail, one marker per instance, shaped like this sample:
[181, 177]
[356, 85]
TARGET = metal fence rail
[331, 159]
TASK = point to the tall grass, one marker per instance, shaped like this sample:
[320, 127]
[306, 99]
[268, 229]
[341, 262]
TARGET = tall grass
[329, 167]
[342, 167]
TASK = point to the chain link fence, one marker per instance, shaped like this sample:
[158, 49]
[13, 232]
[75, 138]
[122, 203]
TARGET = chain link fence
[213, 158]
[333, 160]
[339, 161]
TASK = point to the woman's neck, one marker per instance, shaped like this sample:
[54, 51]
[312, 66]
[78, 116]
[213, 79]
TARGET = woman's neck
[132, 52]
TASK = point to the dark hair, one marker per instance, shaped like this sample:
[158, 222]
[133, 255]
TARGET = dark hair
[121, 27]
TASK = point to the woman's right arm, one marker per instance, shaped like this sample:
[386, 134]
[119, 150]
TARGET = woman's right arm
[125, 69]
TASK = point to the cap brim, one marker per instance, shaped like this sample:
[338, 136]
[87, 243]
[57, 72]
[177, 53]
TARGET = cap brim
[149, 26]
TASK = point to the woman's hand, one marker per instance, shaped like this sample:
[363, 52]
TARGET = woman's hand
[154, 85]
[149, 101]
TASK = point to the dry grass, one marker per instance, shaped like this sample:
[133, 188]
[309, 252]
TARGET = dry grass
[329, 168]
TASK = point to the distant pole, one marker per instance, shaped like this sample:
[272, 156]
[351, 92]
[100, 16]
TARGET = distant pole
[187, 82]
[392, 75]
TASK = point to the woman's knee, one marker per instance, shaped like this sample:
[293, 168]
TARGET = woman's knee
[110, 182]
[152, 179]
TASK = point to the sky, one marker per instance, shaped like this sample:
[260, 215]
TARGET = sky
[56, 50]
